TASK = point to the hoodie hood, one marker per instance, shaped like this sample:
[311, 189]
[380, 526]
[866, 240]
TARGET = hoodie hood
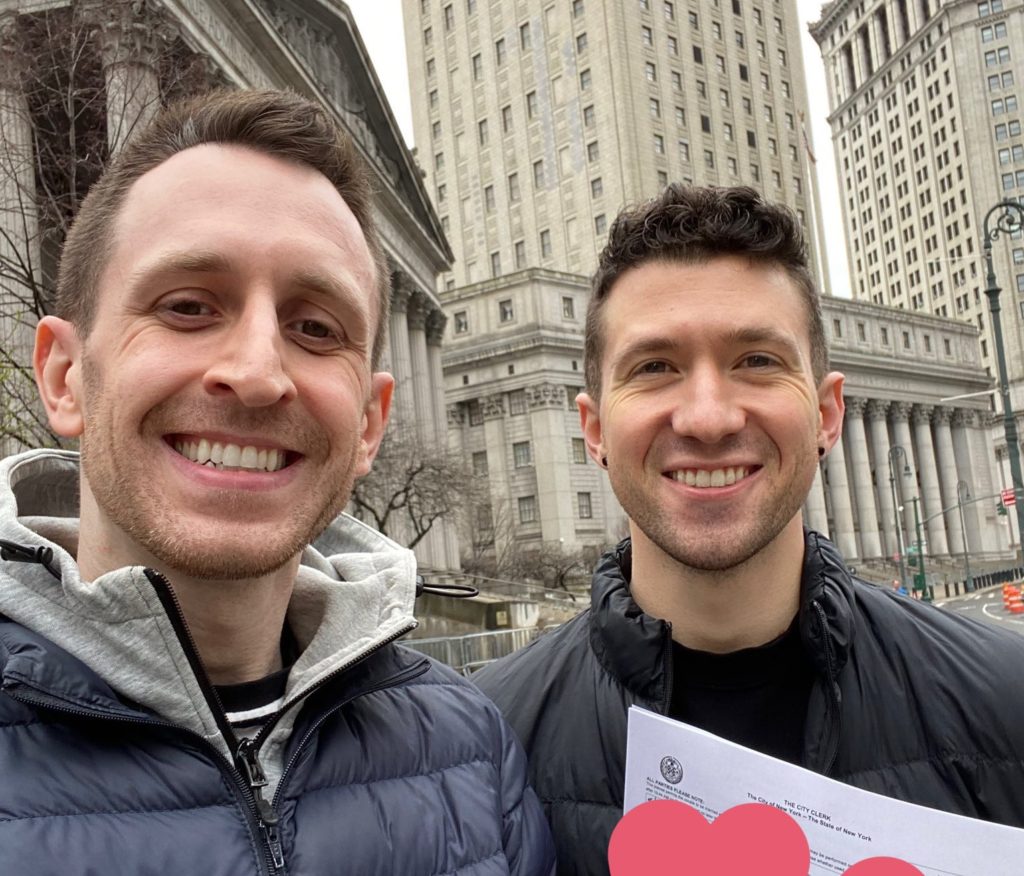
[354, 592]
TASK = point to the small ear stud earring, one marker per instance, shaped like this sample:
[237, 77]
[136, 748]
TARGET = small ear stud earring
[604, 462]
[821, 452]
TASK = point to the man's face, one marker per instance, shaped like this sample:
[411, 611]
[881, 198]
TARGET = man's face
[226, 397]
[709, 415]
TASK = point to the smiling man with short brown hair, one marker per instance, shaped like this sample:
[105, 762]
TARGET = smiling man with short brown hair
[709, 402]
[188, 685]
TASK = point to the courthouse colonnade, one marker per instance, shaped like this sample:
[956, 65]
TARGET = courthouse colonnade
[939, 447]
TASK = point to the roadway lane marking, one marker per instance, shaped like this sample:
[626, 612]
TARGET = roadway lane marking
[1012, 620]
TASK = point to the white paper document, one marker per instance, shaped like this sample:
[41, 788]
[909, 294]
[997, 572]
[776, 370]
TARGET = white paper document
[668, 760]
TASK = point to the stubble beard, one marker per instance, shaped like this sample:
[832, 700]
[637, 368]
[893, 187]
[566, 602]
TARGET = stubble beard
[717, 545]
[118, 481]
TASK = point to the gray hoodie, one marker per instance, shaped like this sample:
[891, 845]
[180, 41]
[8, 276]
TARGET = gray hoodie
[348, 600]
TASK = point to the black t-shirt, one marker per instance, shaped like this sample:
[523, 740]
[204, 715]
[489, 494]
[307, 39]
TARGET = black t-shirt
[756, 697]
[249, 704]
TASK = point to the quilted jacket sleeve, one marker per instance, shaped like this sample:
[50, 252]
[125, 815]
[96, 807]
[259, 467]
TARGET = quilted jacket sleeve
[527, 838]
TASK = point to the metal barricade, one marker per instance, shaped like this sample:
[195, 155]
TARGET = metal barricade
[468, 653]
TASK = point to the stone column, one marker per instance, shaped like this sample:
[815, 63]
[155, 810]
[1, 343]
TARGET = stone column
[842, 511]
[877, 410]
[948, 477]
[435, 334]
[555, 498]
[449, 546]
[423, 403]
[931, 496]
[860, 468]
[815, 510]
[130, 38]
[906, 485]
[963, 422]
[401, 357]
[503, 507]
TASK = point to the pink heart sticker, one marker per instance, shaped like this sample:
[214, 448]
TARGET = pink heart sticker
[883, 867]
[665, 837]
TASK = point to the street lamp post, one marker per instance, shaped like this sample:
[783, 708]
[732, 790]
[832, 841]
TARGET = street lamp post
[920, 577]
[896, 452]
[1009, 218]
[963, 491]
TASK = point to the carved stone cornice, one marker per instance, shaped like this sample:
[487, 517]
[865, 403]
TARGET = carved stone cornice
[129, 31]
[965, 418]
[545, 395]
[493, 406]
[456, 415]
[900, 411]
[436, 321]
[942, 415]
[878, 409]
[11, 60]
[855, 406]
[922, 414]
[402, 290]
[419, 308]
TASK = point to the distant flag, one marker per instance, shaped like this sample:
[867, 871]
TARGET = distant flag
[803, 134]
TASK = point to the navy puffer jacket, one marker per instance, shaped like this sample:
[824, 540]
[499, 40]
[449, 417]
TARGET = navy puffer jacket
[394, 767]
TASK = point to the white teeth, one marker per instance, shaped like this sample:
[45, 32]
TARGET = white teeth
[231, 456]
[718, 477]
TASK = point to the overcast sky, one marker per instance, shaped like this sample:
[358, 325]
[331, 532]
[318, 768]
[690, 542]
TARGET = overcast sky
[380, 24]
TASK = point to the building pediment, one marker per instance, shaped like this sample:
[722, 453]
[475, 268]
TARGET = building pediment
[323, 38]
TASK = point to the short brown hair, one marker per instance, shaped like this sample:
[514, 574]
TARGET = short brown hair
[694, 224]
[277, 123]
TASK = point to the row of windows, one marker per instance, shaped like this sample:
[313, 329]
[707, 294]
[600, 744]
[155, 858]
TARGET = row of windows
[1014, 153]
[837, 332]
[1012, 181]
[1006, 104]
[1005, 130]
[527, 506]
[522, 455]
[1000, 80]
[994, 57]
[989, 6]
[992, 32]
[507, 313]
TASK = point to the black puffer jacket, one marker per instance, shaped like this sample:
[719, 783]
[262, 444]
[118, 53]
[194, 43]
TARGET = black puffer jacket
[910, 701]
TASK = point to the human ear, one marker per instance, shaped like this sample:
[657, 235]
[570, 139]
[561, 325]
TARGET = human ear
[375, 419]
[830, 410]
[57, 365]
[590, 422]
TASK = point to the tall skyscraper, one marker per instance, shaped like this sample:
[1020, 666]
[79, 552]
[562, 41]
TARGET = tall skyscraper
[536, 122]
[927, 127]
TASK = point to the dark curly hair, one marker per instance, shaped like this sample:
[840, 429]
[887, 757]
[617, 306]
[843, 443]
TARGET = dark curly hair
[694, 224]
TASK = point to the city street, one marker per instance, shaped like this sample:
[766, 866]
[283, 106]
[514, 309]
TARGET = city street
[985, 606]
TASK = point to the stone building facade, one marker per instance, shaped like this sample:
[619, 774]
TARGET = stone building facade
[141, 48]
[514, 365]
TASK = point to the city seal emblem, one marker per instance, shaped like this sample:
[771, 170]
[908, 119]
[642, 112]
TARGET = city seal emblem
[671, 770]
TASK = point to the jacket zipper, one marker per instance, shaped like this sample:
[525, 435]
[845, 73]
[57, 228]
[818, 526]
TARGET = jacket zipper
[247, 767]
[246, 750]
[833, 695]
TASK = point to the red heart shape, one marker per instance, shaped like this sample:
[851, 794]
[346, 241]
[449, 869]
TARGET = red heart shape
[666, 836]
